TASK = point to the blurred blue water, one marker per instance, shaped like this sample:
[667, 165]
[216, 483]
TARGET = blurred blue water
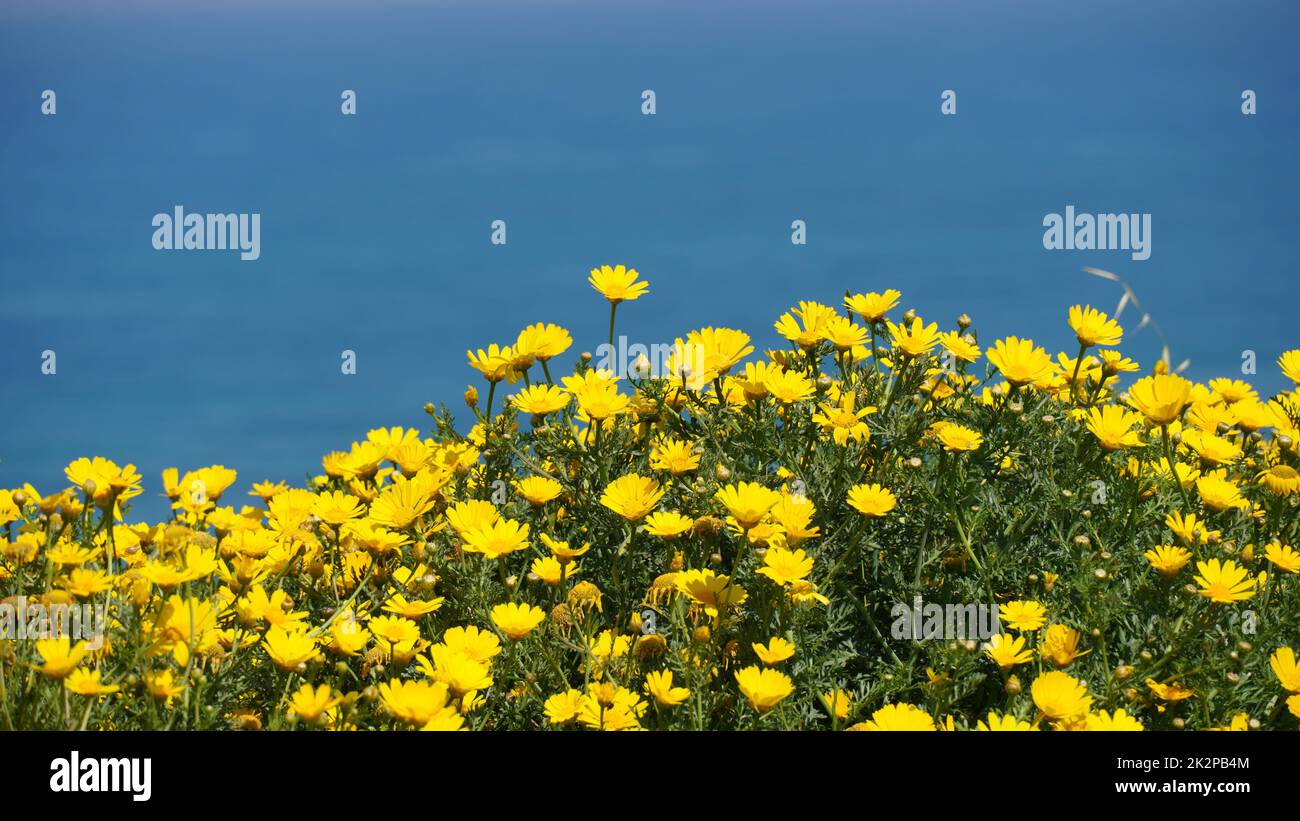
[375, 228]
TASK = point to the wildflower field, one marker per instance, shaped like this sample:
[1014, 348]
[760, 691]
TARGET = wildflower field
[718, 541]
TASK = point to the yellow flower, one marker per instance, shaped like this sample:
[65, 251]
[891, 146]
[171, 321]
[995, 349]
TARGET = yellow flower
[336, 507]
[399, 605]
[1282, 480]
[1007, 650]
[1060, 696]
[632, 496]
[517, 620]
[550, 571]
[872, 307]
[540, 400]
[842, 421]
[805, 326]
[1188, 529]
[311, 703]
[871, 500]
[1020, 361]
[1283, 557]
[1285, 667]
[103, 480]
[764, 687]
[498, 539]
[709, 590]
[1113, 427]
[956, 438]
[563, 708]
[478, 645]
[1168, 560]
[1060, 645]
[1289, 362]
[288, 650]
[86, 683]
[496, 363]
[472, 514]
[1169, 692]
[1024, 616]
[838, 703]
[618, 283]
[1093, 327]
[1224, 582]
[788, 386]
[961, 347]
[162, 686]
[660, 686]
[59, 656]
[562, 551]
[917, 340]
[420, 704]
[668, 525]
[84, 583]
[597, 394]
[1240, 723]
[585, 597]
[775, 651]
[1004, 723]
[747, 502]
[1212, 450]
[786, 566]
[610, 708]
[899, 717]
[1220, 493]
[543, 341]
[347, 638]
[401, 503]
[675, 456]
[1253, 415]
[538, 490]
[455, 668]
[1119, 721]
[1161, 397]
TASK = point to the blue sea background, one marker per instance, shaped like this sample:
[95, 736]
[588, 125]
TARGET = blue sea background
[375, 227]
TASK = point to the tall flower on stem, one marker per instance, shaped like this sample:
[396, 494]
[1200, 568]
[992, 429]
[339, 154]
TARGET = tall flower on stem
[617, 284]
[1091, 327]
[1161, 398]
[496, 363]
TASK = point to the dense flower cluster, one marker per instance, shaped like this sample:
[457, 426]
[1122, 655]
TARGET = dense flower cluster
[722, 545]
